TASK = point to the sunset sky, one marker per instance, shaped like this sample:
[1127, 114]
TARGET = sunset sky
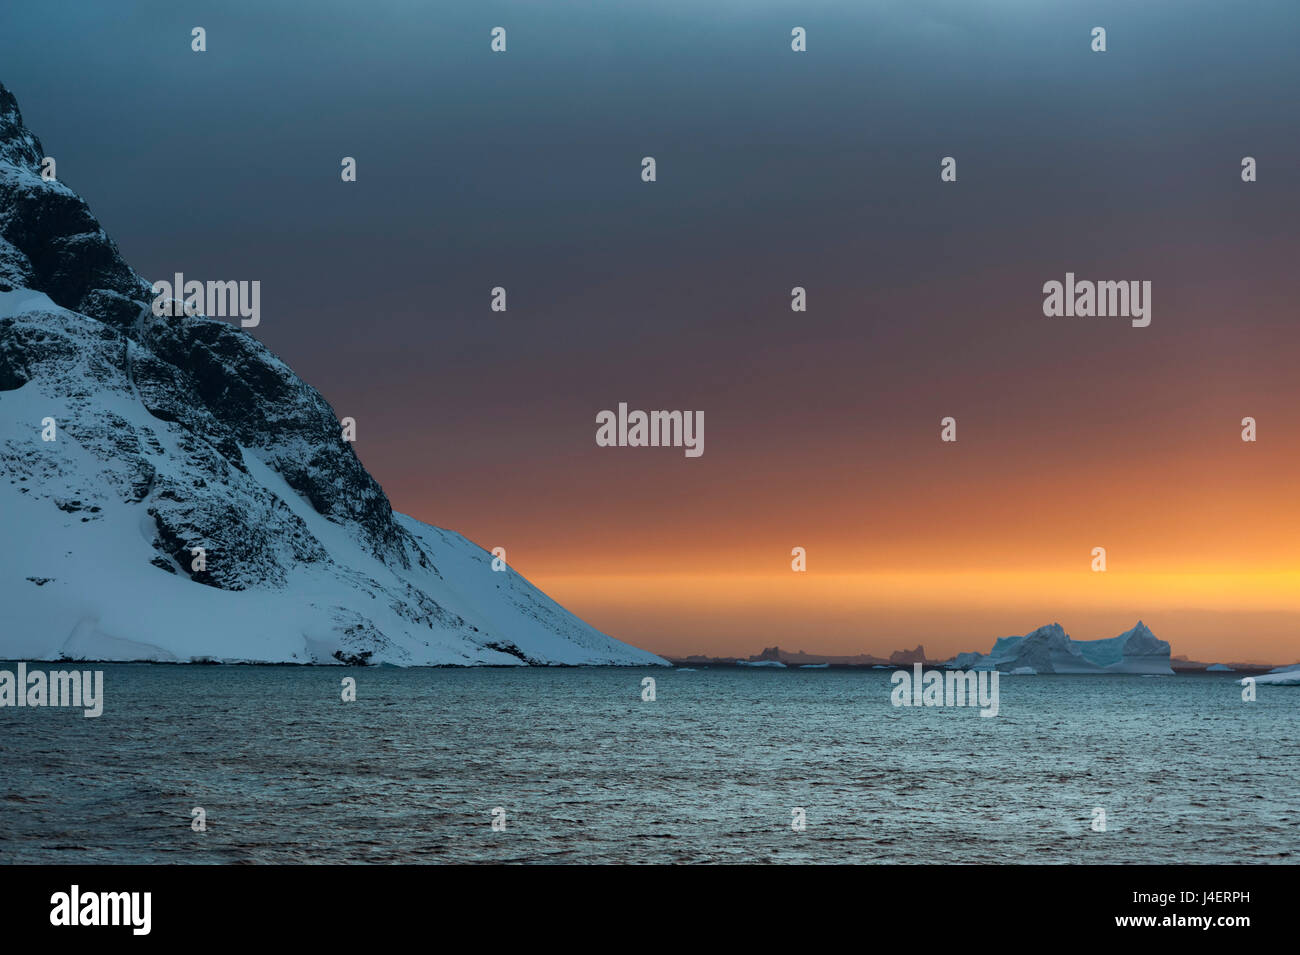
[775, 169]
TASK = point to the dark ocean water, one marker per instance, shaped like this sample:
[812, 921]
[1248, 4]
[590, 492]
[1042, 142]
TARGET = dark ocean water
[588, 772]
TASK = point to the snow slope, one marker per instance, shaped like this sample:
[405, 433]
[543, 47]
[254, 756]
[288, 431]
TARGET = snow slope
[182, 433]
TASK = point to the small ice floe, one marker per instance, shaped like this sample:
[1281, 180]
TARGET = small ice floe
[1022, 671]
[760, 663]
[686, 669]
[1289, 677]
[1219, 668]
[814, 666]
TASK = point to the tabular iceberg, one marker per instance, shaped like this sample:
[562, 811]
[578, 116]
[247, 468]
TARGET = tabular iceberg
[1049, 649]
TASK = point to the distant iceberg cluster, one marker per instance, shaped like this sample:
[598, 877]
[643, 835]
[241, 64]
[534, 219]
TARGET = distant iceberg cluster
[1050, 650]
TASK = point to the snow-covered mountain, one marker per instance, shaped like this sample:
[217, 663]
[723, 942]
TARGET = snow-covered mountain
[172, 434]
[1049, 649]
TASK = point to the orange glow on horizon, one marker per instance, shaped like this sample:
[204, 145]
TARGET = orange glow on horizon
[1200, 614]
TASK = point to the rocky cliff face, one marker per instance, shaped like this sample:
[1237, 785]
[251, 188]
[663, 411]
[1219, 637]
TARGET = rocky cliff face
[50, 241]
[182, 433]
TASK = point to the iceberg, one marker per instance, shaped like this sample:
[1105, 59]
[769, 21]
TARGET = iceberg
[1288, 677]
[1049, 649]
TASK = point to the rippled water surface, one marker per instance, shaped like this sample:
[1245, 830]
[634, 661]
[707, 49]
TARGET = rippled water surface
[588, 772]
